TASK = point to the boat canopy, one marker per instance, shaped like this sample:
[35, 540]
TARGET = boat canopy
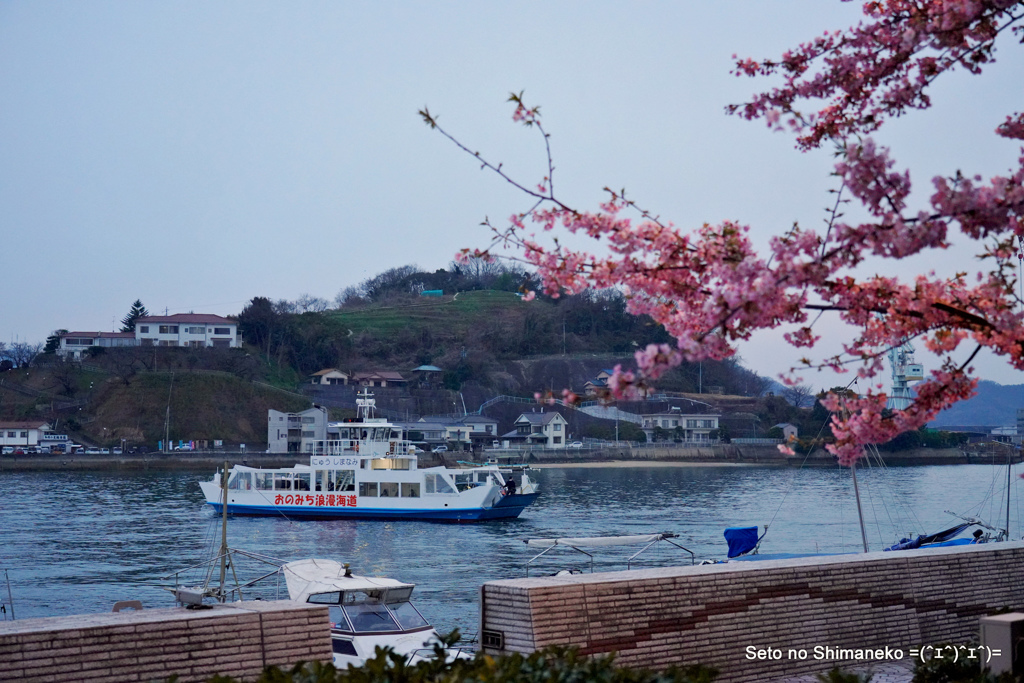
[311, 577]
[937, 538]
[597, 541]
[578, 544]
[741, 540]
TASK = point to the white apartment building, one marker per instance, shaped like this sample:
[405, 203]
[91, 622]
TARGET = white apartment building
[187, 329]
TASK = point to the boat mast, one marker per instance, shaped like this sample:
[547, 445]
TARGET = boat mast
[860, 512]
[224, 532]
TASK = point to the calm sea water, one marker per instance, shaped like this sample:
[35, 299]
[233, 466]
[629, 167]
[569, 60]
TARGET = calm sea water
[74, 543]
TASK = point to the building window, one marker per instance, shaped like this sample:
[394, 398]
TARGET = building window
[24, 435]
[168, 329]
[222, 330]
[144, 329]
[195, 330]
[11, 435]
[558, 439]
[558, 427]
[308, 434]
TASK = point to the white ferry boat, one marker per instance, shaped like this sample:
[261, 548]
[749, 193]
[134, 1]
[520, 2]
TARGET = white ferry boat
[371, 472]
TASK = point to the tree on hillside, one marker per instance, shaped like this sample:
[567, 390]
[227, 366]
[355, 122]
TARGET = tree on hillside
[53, 342]
[258, 323]
[22, 354]
[712, 290]
[137, 311]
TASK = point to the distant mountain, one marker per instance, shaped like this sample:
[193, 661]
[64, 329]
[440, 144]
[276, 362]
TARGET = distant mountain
[995, 405]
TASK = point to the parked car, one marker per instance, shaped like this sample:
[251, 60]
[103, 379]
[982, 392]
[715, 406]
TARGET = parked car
[117, 451]
[440, 449]
[576, 444]
[7, 450]
[104, 451]
[183, 447]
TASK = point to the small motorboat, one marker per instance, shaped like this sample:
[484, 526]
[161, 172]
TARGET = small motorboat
[366, 612]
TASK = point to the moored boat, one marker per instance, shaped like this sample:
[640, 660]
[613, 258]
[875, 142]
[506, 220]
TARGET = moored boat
[365, 612]
[370, 471]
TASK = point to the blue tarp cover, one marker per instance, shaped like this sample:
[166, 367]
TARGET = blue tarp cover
[741, 539]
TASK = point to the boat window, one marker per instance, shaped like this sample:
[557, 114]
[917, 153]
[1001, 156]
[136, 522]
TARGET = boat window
[390, 463]
[302, 482]
[407, 615]
[388, 489]
[264, 481]
[369, 618]
[437, 483]
[368, 488]
[411, 490]
[343, 646]
[332, 598]
[482, 477]
[282, 482]
[338, 619]
[240, 481]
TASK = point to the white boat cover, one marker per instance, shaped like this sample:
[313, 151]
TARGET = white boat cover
[309, 577]
[597, 541]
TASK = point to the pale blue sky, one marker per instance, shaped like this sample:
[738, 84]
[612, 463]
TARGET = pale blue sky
[197, 154]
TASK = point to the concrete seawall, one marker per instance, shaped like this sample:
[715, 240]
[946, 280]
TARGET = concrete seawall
[712, 614]
[726, 453]
[237, 639]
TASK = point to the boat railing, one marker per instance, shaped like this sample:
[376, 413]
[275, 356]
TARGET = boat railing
[577, 544]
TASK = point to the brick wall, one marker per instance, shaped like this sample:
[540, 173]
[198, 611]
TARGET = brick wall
[237, 639]
[710, 614]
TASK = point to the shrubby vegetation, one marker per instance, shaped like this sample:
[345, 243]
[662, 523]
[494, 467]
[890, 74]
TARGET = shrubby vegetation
[553, 664]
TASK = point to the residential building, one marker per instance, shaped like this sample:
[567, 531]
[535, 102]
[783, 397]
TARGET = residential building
[329, 376]
[296, 432]
[469, 430]
[75, 344]
[187, 329]
[789, 431]
[547, 430]
[378, 378]
[23, 433]
[677, 426]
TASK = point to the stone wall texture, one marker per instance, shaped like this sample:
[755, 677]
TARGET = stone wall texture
[237, 639]
[711, 614]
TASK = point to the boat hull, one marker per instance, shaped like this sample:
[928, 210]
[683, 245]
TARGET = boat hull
[508, 507]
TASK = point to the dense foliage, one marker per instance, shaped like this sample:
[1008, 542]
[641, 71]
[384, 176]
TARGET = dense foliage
[553, 664]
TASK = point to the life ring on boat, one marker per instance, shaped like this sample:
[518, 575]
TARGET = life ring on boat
[357, 448]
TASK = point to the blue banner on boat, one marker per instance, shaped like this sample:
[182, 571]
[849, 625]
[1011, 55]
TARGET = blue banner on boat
[741, 539]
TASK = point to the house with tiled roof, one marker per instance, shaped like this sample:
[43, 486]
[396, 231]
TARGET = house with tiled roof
[677, 426]
[378, 378]
[23, 433]
[187, 329]
[543, 429]
[75, 344]
[329, 376]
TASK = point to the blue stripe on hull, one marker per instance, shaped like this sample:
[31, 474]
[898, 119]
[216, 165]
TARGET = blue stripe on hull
[508, 507]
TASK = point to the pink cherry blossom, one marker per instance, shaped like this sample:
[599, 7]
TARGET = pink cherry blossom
[711, 289]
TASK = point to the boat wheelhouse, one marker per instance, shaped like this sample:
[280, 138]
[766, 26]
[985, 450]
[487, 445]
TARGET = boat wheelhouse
[370, 471]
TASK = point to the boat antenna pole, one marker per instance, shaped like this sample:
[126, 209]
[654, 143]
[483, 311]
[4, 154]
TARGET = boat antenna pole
[860, 512]
[224, 531]
[1009, 469]
[10, 600]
